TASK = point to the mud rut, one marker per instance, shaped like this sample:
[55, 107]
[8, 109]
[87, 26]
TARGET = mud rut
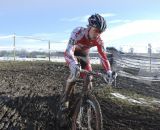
[30, 92]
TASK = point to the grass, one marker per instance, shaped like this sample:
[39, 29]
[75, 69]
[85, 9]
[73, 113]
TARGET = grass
[149, 106]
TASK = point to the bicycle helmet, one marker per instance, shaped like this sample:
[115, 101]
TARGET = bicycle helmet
[98, 22]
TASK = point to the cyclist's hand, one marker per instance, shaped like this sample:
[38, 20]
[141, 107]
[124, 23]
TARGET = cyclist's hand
[114, 75]
[75, 70]
[109, 74]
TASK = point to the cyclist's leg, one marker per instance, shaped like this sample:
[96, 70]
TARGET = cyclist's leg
[70, 85]
[67, 92]
[62, 114]
[83, 59]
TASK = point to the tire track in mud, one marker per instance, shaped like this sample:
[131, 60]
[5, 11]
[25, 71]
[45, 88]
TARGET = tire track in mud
[28, 98]
[28, 112]
[10, 118]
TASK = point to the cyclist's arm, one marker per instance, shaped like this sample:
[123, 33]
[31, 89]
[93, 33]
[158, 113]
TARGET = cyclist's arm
[69, 53]
[103, 56]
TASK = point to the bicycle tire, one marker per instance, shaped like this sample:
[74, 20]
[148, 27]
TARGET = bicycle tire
[94, 108]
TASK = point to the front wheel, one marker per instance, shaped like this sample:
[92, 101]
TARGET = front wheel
[87, 115]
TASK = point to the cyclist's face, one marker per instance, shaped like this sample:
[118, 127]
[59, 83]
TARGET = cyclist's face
[94, 33]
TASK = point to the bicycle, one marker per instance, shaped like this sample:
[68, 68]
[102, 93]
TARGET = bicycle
[85, 111]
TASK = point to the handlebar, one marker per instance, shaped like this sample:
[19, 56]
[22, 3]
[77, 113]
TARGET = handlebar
[106, 78]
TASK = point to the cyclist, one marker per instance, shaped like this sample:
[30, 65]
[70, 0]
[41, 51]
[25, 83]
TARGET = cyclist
[77, 51]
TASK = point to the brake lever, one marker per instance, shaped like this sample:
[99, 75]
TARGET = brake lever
[114, 75]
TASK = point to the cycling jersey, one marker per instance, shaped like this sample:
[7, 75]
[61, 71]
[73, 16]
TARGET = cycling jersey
[80, 42]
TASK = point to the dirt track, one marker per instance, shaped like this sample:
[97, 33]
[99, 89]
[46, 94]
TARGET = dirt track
[30, 92]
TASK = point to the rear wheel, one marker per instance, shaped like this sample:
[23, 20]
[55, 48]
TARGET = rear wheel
[87, 115]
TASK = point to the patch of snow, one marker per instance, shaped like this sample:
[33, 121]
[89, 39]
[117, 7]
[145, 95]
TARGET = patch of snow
[136, 101]
[118, 95]
[156, 101]
[53, 59]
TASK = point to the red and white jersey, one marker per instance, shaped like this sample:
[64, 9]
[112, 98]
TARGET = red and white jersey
[79, 41]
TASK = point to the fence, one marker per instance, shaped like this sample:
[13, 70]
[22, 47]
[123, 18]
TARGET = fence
[16, 44]
[144, 67]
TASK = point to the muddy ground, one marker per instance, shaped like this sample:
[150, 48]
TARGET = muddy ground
[30, 92]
